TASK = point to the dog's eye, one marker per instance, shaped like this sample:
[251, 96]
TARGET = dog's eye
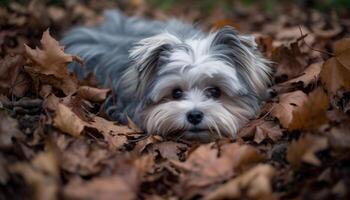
[214, 92]
[177, 93]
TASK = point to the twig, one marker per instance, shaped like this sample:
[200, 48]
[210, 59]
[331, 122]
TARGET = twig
[302, 38]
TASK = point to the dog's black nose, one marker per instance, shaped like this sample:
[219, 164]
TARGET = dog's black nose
[195, 116]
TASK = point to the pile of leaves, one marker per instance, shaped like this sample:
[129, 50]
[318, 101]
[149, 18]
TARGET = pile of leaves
[57, 143]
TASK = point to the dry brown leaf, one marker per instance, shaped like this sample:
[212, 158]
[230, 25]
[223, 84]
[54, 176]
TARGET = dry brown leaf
[254, 184]
[110, 127]
[207, 165]
[50, 65]
[260, 130]
[339, 137]
[8, 130]
[79, 155]
[41, 174]
[312, 114]
[12, 79]
[167, 149]
[336, 70]
[309, 76]
[67, 121]
[319, 29]
[92, 94]
[291, 62]
[51, 59]
[283, 110]
[107, 188]
[304, 150]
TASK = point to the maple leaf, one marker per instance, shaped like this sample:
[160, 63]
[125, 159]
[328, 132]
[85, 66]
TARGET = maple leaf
[304, 150]
[254, 184]
[50, 64]
[51, 59]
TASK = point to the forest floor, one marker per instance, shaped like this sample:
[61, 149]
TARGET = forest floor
[56, 142]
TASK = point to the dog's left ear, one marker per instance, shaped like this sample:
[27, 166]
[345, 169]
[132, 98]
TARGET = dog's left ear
[145, 56]
[245, 57]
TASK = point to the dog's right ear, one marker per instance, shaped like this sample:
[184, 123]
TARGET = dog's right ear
[145, 54]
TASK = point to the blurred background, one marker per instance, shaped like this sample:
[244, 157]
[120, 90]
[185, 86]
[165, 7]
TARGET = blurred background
[23, 21]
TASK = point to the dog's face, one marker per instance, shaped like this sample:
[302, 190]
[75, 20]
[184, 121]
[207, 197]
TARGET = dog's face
[203, 88]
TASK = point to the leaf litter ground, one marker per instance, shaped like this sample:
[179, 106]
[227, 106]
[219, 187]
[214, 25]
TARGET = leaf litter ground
[56, 142]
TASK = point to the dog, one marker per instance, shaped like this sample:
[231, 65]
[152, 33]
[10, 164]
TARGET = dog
[170, 77]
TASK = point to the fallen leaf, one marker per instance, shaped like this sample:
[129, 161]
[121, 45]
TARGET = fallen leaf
[312, 113]
[336, 70]
[207, 165]
[41, 174]
[253, 184]
[80, 156]
[304, 150]
[4, 174]
[287, 103]
[67, 121]
[322, 29]
[260, 130]
[339, 137]
[13, 81]
[8, 131]
[168, 150]
[114, 135]
[309, 76]
[51, 59]
[50, 64]
[107, 188]
[290, 61]
[92, 94]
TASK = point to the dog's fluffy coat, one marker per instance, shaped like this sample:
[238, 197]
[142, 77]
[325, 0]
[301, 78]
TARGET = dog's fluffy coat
[145, 61]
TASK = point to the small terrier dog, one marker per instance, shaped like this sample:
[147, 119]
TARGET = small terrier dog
[170, 77]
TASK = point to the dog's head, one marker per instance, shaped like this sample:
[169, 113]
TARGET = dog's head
[198, 88]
